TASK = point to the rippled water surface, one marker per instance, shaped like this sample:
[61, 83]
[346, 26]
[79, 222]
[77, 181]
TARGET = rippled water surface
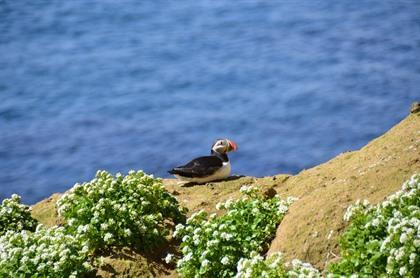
[119, 85]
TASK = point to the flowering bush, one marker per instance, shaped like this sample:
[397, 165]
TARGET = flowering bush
[302, 269]
[383, 240]
[126, 210]
[15, 216]
[256, 266]
[43, 253]
[273, 267]
[212, 246]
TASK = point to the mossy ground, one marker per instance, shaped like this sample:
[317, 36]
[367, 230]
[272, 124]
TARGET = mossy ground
[311, 229]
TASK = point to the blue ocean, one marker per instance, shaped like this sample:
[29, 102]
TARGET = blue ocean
[119, 85]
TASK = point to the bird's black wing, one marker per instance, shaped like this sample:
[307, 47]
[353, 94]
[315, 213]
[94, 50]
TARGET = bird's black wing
[199, 167]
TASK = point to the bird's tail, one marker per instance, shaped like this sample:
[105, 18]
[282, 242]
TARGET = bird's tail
[172, 172]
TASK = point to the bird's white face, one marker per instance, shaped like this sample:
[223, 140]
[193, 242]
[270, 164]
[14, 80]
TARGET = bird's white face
[223, 146]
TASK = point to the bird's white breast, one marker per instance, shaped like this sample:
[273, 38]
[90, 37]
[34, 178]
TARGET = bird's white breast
[220, 174]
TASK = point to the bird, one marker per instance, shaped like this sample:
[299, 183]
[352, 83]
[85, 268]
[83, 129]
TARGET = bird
[204, 169]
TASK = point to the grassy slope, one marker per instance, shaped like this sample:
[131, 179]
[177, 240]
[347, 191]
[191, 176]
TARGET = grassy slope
[324, 193]
[311, 228]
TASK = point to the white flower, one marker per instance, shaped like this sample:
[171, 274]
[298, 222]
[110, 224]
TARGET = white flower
[225, 260]
[71, 221]
[228, 203]
[226, 236]
[205, 263]
[188, 257]
[283, 208]
[375, 222]
[85, 249]
[400, 254]
[168, 258]
[179, 227]
[291, 199]
[87, 265]
[386, 204]
[412, 258]
[403, 238]
[256, 259]
[107, 237]
[82, 229]
[403, 271]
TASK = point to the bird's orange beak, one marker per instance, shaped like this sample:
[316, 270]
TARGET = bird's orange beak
[232, 145]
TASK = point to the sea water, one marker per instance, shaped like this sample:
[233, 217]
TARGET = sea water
[119, 85]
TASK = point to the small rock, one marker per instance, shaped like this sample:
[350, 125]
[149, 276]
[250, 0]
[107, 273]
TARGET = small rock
[269, 193]
[413, 162]
[415, 107]
[176, 193]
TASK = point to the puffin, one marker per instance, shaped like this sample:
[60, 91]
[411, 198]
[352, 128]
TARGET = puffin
[204, 169]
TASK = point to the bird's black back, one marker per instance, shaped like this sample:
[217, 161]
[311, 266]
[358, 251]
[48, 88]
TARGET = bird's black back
[199, 167]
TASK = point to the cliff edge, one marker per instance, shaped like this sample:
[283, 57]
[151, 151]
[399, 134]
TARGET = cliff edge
[310, 230]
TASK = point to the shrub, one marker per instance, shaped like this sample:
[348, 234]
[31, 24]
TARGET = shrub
[302, 269]
[212, 246]
[273, 267]
[383, 240]
[15, 216]
[130, 210]
[43, 253]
